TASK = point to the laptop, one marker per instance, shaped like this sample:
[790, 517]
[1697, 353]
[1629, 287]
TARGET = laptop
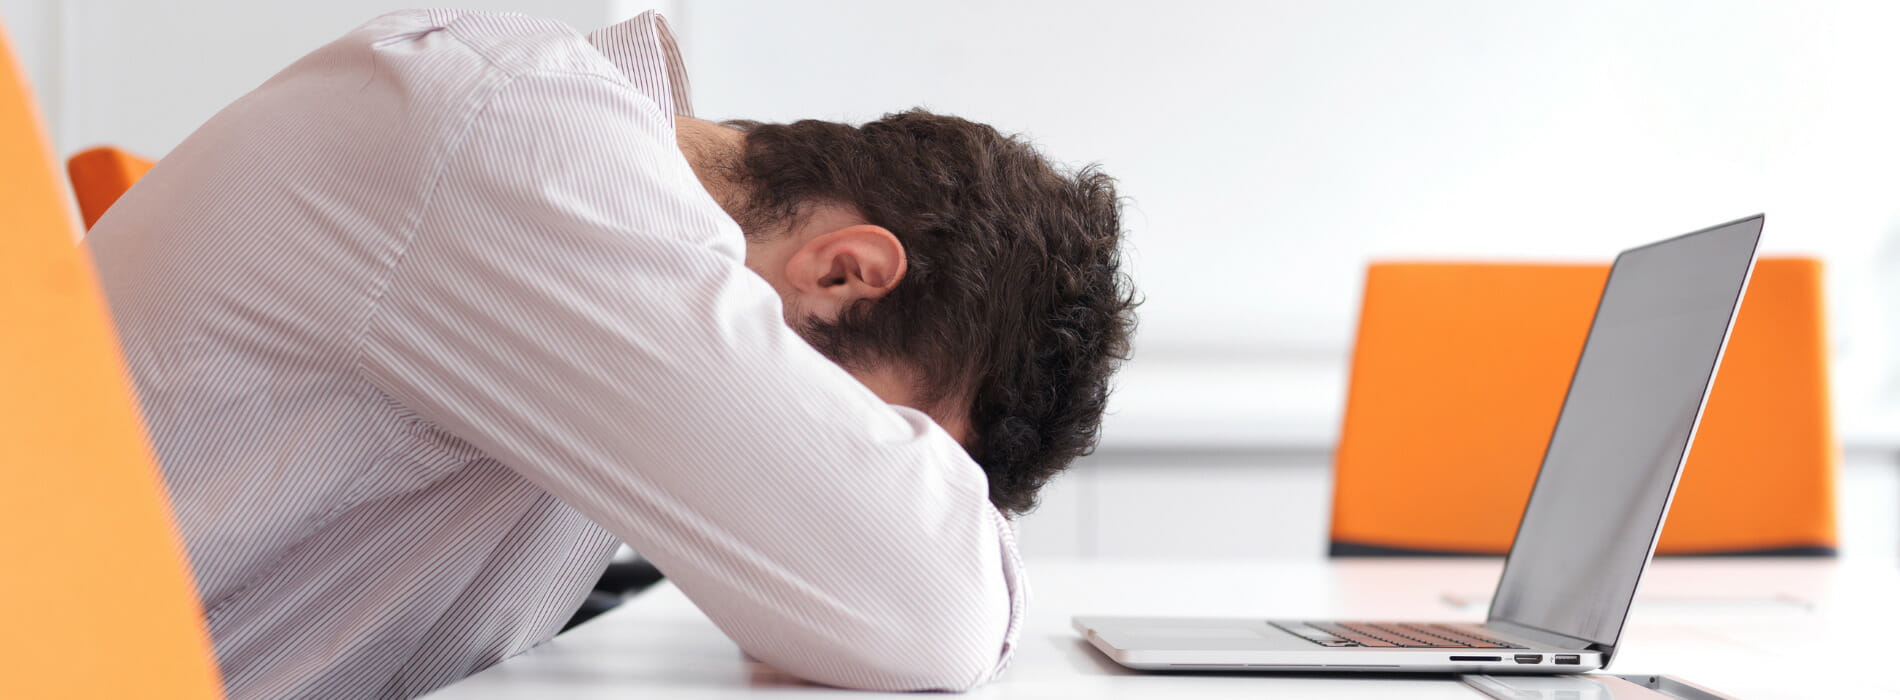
[1593, 517]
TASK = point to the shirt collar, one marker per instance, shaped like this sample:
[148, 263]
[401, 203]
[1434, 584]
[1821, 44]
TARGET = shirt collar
[644, 50]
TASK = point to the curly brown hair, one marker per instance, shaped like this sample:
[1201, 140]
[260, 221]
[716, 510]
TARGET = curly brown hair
[1014, 301]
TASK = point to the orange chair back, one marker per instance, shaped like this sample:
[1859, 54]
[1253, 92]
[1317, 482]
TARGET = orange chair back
[100, 175]
[98, 599]
[1460, 370]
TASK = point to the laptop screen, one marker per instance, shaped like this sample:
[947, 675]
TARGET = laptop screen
[1621, 439]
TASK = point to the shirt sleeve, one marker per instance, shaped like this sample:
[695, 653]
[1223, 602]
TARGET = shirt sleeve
[574, 304]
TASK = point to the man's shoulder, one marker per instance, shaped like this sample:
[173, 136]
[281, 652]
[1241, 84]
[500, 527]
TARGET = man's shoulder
[512, 43]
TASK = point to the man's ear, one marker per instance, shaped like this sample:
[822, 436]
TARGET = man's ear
[835, 269]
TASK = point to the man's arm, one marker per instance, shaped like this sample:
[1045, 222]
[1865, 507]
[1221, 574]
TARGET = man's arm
[572, 304]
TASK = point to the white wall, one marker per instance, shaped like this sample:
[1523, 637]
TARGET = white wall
[1270, 147]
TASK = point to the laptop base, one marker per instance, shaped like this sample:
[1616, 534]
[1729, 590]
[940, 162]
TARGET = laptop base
[1227, 644]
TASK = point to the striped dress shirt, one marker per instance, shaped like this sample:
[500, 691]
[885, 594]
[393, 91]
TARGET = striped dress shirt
[430, 318]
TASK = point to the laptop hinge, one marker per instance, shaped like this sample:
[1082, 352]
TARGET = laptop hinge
[1553, 639]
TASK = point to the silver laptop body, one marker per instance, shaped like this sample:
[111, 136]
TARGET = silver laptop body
[1593, 518]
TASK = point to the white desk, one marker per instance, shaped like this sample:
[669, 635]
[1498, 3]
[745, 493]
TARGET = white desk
[1749, 628]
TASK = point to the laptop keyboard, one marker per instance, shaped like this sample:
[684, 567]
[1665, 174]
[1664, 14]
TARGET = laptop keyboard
[1409, 635]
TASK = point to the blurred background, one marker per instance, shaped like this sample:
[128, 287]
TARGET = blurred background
[1269, 149]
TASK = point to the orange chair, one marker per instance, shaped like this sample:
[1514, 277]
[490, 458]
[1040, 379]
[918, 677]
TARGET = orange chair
[100, 175]
[82, 506]
[1459, 372]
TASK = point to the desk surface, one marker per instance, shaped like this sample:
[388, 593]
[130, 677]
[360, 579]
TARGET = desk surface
[1776, 628]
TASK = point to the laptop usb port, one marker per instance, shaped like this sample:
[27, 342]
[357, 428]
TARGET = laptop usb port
[1570, 659]
[1528, 658]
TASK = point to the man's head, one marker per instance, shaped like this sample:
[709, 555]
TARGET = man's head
[948, 267]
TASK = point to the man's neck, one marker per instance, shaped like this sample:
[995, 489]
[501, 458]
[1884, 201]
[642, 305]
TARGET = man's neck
[714, 151]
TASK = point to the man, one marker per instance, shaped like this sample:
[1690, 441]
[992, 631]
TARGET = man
[432, 317]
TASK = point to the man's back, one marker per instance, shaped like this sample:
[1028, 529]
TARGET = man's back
[242, 273]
